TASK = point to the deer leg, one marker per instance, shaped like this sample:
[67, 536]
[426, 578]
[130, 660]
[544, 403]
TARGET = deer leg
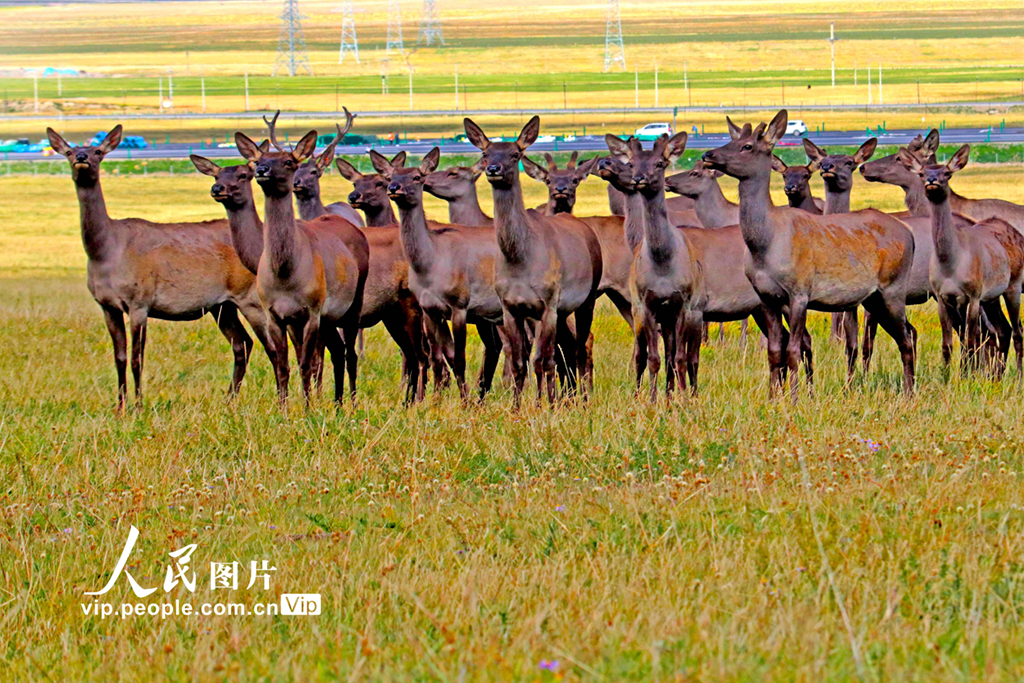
[836, 332]
[544, 354]
[115, 326]
[744, 324]
[669, 331]
[1012, 299]
[492, 349]
[994, 312]
[622, 305]
[870, 330]
[653, 356]
[331, 340]
[437, 339]
[458, 359]
[516, 333]
[891, 314]
[319, 359]
[350, 335]
[807, 356]
[850, 337]
[310, 334]
[257, 318]
[721, 332]
[947, 324]
[565, 355]
[231, 327]
[399, 331]
[278, 336]
[973, 320]
[705, 333]
[585, 347]
[689, 345]
[641, 341]
[138, 318]
[794, 350]
[507, 376]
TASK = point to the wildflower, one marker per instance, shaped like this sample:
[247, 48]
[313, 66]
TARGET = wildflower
[548, 665]
[560, 508]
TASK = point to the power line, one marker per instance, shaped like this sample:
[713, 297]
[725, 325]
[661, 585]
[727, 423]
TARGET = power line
[291, 46]
[395, 28]
[349, 41]
[614, 51]
[430, 25]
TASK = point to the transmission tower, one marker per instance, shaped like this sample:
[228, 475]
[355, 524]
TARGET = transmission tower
[430, 25]
[395, 28]
[349, 42]
[614, 52]
[291, 46]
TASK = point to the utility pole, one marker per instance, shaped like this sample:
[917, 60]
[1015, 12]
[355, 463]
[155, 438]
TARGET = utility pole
[247, 90]
[456, 86]
[614, 50]
[395, 28]
[686, 86]
[881, 100]
[202, 89]
[832, 43]
[636, 85]
[655, 84]
[170, 87]
[291, 46]
[430, 25]
[349, 41]
[869, 83]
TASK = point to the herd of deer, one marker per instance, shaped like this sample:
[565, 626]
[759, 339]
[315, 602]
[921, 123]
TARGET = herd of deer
[528, 279]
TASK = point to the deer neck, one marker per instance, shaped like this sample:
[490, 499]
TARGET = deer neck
[379, 216]
[310, 207]
[712, 207]
[755, 206]
[511, 223]
[633, 223]
[419, 248]
[836, 202]
[959, 203]
[805, 202]
[947, 243]
[657, 229]
[557, 206]
[246, 233]
[97, 232]
[465, 210]
[280, 235]
[616, 201]
[916, 200]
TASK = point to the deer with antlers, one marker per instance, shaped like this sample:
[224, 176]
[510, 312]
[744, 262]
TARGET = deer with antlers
[971, 268]
[167, 271]
[548, 268]
[311, 274]
[828, 263]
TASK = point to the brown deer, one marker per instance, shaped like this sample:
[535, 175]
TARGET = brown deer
[457, 186]
[971, 267]
[451, 272]
[167, 271]
[549, 267]
[797, 185]
[683, 206]
[616, 254]
[700, 184]
[370, 192]
[307, 177]
[311, 275]
[666, 274]
[829, 263]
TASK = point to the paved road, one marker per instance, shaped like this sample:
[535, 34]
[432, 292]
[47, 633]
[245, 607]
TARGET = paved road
[589, 143]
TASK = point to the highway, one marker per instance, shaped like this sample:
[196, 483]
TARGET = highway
[589, 143]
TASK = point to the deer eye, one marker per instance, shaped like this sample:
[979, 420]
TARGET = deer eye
[416, 178]
[380, 183]
[747, 147]
[453, 174]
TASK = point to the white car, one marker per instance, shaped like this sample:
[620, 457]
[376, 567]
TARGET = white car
[796, 127]
[653, 131]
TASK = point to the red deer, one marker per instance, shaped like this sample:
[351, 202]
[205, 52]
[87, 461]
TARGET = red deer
[167, 271]
[797, 185]
[666, 274]
[700, 183]
[311, 275]
[451, 272]
[307, 178]
[370, 192]
[828, 263]
[971, 267]
[549, 267]
[457, 186]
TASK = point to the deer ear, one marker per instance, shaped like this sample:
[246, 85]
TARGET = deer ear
[777, 128]
[381, 163]
[865, 151]
[475, 134]
[477, 168]
[534, 170]
[675, 146]
[112, 140]
[529, 134]
[931, 143]
[264, 146]
[326, 157]
[618, 147]
[813, 165]
[247, 148]
[778, 165]
[959, 159]
[59, 144]
[586, 168]
[398, 161]
[717, 174]
[814, 153]
[347, 170]
[429, 163]
[734, 131]
[909, 160]
[204, 165]
[306, 147]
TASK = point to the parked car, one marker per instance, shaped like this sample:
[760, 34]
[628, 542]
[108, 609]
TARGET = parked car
[796, 127]
[22, 146]
[653, 131]
[127, 141]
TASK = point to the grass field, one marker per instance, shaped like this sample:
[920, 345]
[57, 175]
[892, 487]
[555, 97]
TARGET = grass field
[727, 537]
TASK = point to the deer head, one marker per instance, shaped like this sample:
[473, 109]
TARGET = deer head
[796, 179]
[749, 153]
[275, 171]
[307, 177]
[889, 170]
[453, 183]
[616, 172]
[405, 185]
[935, 176]
[369, 190]
[562, 183]
[501, 159]
[649, 165]
[837, 169]
[693, 183]
[85, 160]
[232, 185]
